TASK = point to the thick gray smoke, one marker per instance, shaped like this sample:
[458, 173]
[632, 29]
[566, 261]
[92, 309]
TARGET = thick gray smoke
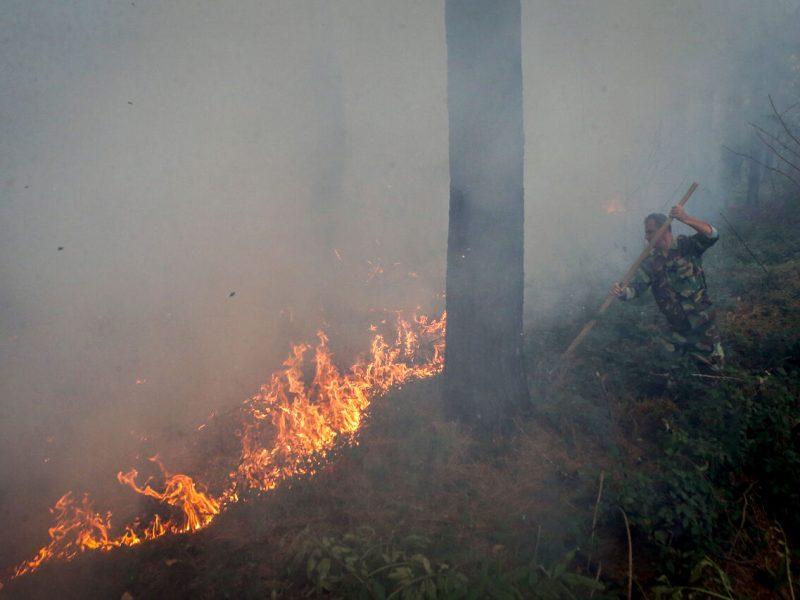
[188, 187]
[627, 103]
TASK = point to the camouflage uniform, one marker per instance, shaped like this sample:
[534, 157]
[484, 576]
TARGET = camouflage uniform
[679, 288]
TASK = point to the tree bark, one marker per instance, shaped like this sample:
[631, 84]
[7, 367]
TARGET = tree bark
[484, 381]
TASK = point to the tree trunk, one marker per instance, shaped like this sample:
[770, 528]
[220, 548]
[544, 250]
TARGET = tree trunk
[755, 171]
[484, 381]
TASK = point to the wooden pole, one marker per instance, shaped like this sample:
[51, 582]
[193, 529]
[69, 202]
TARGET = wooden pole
[626, 279]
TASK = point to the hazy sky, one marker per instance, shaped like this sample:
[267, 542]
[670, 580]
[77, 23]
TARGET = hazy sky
[295, 154]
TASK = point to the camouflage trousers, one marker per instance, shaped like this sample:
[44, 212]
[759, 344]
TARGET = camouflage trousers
[701, 344]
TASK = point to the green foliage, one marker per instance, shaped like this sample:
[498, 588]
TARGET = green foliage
[729, 435]
[707, 580]
[357, 565]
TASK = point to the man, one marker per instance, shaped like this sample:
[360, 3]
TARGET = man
[674, 273]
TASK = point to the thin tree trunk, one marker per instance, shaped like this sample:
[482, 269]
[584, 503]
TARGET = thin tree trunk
[484, 380]
[755, 172]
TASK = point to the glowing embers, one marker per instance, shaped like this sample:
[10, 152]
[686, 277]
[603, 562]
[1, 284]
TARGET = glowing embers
[285, 430]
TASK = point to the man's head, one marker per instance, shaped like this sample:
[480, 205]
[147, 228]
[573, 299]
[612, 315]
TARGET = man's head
[652, 223]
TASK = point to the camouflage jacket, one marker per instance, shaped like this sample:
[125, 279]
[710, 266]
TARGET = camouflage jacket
[678, 282]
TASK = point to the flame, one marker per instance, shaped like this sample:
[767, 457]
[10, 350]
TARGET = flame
[375, 270]
[181, 492]
[285, 431]
[306, 419]
[613, 206]
[79, 528]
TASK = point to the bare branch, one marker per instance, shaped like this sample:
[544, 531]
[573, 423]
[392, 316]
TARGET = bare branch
[741, 239]
[782, 122]
[758, 162]
[776, 138]
[786, 110]
[776, 153]
[630, 554]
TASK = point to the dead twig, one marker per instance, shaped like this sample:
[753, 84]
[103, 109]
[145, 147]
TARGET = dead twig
[630, 554]
[741, 239]
[786, 556]
[594, 517]
[758, 162]
[779, 116]
[775, 138]
[744, 518]
[786, 110]
[776, 153]
[703, 375]
[597, 577]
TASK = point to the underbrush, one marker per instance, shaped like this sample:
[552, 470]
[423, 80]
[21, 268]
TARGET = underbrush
[706, 465]
[633, 476]
[422, 509]
[356, 565]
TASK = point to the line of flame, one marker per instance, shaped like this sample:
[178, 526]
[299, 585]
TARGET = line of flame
[285, 429]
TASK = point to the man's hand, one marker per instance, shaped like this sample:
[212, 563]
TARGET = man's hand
[677, 212]
[618, 291]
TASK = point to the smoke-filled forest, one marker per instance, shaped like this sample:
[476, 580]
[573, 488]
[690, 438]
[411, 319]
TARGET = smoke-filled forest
[400, 300]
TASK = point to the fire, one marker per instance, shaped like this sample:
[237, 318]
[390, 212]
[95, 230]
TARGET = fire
[306, 419]
[285, 431]
[613, 206]
[79, 528]
[198, 509]
[375, 270]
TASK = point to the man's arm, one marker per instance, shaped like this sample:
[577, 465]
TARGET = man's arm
[699, 226]
[705, 237]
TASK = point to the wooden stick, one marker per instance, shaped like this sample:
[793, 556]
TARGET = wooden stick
[597, 577]
[594, 517]
[627, 278]
[704, 376]
[787, 557]
[630, 554]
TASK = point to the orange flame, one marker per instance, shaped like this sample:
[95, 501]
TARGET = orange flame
[305, 420]
[79, 528]
[285, 430]
[613, 206]
[180, 492]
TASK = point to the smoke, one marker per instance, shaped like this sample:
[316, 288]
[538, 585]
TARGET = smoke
[626, 104]
[187, 188]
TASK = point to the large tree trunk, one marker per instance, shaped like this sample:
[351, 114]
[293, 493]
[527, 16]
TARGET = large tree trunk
[484, 381]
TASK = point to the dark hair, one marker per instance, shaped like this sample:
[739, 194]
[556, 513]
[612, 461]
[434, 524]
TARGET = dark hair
[658, 218]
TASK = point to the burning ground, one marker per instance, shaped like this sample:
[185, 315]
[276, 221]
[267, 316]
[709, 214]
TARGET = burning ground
[703, 471]
[283, 431]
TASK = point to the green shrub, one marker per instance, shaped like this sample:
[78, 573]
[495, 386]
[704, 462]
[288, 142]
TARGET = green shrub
[728, 436]
[357, 565]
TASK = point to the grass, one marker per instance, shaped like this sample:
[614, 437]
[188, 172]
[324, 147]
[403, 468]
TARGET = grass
[703, 470]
